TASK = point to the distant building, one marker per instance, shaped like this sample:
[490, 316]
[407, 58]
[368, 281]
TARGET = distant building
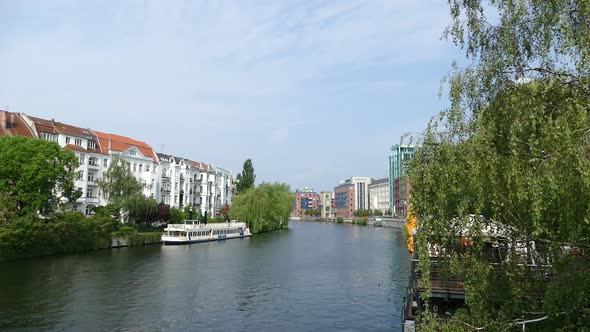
[326, 204]
[402, 187]
[352, 194]
[379, 195]
[305, 199]
[398, 167]
[344, 200]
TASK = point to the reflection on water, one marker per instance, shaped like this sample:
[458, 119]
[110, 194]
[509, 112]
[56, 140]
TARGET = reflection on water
[312, 277]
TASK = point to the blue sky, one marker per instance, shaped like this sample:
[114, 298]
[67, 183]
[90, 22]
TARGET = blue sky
[311, 91]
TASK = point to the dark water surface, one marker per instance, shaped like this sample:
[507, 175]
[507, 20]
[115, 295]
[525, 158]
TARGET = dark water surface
[311, 277]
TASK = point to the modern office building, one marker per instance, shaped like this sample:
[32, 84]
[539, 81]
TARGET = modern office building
[344, 200]
[399, 160]
[351, 195]
[379, 195]
[305, 199]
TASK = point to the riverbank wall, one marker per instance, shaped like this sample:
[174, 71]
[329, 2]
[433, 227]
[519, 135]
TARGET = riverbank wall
[385, 221]
[137, 239]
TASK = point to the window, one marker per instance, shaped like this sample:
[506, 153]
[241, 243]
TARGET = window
[80, 175]
[91, 145]
[89, 209]
[132, 152]
[105, 162]
[67, 140]
[92, 161]
[49, 136]
[141, 167]
[135, 167]
[90, 176]
[82, 157]
[90, 193]
[78, 141]
[147, 167]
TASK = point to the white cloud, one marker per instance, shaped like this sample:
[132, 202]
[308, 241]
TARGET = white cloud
[155, 69]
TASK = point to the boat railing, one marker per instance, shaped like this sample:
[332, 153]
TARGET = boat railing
[209, 225]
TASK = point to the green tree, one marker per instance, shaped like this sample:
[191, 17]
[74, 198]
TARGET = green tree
[246, 178]
[123, 191]
[513, 154]
[140, 208]
[264, 208]
[35, 176]
[176, 216]
[510, 41]
[118, 183]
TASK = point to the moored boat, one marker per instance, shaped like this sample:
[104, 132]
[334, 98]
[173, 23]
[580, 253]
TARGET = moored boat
[193, 231]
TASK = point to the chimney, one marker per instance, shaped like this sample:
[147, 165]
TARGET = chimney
[8, 123]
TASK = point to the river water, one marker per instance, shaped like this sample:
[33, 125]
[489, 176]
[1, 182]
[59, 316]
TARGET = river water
[311, 277]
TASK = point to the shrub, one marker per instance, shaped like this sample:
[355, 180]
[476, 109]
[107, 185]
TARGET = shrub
[29, 236]
[126, 230]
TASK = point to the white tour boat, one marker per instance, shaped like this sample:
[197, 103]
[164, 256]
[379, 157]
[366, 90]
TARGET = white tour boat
[193, 231]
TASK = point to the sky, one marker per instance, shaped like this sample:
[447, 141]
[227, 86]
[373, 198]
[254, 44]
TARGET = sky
[312, 91]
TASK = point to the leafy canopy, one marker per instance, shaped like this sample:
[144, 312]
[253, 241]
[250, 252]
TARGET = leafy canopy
[124, 191]
[34, 176]
[264, 208]
[513, 147]
[246, 178]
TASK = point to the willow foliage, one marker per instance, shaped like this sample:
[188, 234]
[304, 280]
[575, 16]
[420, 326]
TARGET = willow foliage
[264, 208]
[513, 149]
[526, 166]
[509, 41]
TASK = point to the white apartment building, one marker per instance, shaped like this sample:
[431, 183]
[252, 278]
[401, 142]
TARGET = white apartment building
[86, 146]
[177, 182]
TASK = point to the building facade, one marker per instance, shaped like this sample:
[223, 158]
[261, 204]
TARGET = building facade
[402, 187]
[305, 199]
[344, 200]
[326, 198]
[177, 182]
[399, 160]
[379, 195]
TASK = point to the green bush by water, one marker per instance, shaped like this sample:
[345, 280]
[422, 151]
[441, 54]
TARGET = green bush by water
[359, 222]
[140, 239]
[30, 236]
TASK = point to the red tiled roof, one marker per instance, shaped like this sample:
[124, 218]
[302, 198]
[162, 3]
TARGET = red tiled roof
[196, 164]
[122, 143]
[17, 128]
[52, 126]
[76, 148]
[43, 125]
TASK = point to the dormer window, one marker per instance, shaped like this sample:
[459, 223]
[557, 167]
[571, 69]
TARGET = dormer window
[91, 145]
[49, 136]
[78, 141]
[67, 140]
[132, 152]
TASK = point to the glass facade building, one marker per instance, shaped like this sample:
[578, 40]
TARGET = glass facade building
[399, 160]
